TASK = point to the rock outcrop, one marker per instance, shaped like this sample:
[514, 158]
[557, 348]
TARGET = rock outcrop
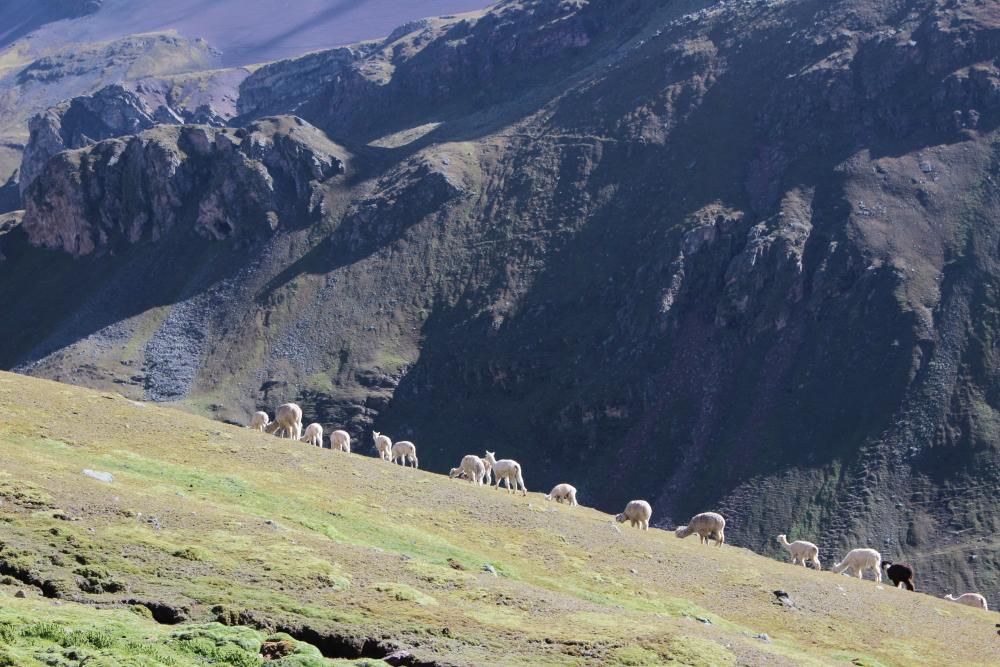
[220, 183]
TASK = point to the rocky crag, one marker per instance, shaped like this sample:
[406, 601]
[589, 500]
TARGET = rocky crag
[738, 255]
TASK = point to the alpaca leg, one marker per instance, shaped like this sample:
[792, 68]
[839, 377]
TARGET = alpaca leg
[645, 525]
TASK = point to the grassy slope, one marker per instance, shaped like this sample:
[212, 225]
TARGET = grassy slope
[359, 548]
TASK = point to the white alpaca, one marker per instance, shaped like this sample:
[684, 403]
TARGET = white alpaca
[403, 450]
[383, 445]
[340, 440]
[969, 599]
[801, 551]
[259, 421]
[507, 470]
[637, 513]
[287, 422]
[859, 560]
[471, 468]
[488, 479]
[707, 525]
[313, 435]
[561, 492]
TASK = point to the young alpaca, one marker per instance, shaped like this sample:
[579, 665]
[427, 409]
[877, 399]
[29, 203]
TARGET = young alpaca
[313, 435]
[507, 470]
[708, 525]
[340, 440]
[801, 551]
[489, 471]
[637, 513]
[969, 599]
[403, 450]
[561, 492]
[900, 574]
[859, 560]
[383, 445]
[259, 421]
[287, 422]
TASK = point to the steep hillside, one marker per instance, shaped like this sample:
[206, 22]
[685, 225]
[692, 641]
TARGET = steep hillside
[195, 541]
[729, 255]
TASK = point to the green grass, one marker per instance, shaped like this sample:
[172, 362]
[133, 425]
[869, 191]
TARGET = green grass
[259, 533]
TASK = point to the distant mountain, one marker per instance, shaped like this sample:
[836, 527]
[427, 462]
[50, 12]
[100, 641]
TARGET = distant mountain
[54, 50]
[740, 256]
[245, 31]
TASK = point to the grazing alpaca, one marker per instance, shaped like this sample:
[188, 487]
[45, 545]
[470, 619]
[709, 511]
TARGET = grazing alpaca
[313, 435]
[969, 599]
[801, 551]
[383, 445]
[859, 560]
[508, 471]
[471, 468]
[403, 450]
[259, 421]
[561, 492]
[900, 574]
[637, 513]
[287, 422]
[708, 525]
[340, 440]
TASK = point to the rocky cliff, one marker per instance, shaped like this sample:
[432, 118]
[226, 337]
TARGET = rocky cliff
[730, 255]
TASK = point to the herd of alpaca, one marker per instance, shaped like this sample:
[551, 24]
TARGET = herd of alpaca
[709, 526]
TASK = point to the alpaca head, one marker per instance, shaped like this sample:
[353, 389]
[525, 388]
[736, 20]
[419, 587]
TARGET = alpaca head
[949, 596]
[886, 563]
[783, 540]
[682, 531]
[548, 496]
[620, 518]
[455, 472]
[375, 435]
[491, 456]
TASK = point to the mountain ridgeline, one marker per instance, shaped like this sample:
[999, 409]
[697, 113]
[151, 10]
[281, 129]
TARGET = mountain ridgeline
[739, 256]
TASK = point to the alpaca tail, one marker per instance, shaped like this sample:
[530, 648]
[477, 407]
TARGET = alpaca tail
[520, 480]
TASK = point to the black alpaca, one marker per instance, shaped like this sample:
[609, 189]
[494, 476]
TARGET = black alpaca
[899, 573]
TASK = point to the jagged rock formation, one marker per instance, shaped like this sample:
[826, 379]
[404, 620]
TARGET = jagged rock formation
[122, 109]
[219, 182]
[723, 255]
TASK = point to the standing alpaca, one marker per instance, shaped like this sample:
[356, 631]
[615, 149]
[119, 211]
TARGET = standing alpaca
[969, 599]
[507, 470]
[637, 513]
[859, 560]
[259, 421]
[287, 422]
[340, 440]
[708, 525]
[900, 574]
[801, 551]
[403, 450]
[313, 435]
[383, 445]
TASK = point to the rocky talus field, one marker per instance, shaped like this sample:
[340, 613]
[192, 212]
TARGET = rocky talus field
[739, 255]
[138, 535]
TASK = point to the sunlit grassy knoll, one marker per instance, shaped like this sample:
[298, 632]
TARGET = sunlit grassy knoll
[210, 523]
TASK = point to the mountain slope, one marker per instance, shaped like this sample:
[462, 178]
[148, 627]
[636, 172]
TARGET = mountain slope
[205, 522]
[738, 255]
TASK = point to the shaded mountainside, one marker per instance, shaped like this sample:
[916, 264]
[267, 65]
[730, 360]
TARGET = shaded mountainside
[729, 255]
[192, 554]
